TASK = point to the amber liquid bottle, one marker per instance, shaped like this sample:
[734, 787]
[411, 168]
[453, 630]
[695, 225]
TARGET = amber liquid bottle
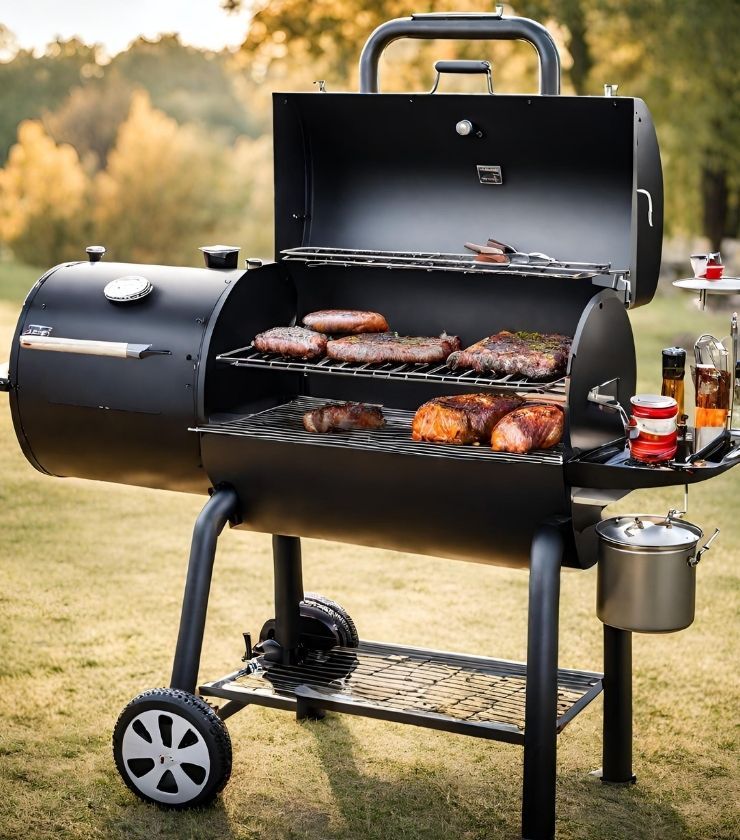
[674, 369]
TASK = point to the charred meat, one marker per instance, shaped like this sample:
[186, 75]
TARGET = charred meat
[378, 348]
[531, 427]
[343, 417]
[463, 418]
[531, 354]
[347, 321]
[296, 342]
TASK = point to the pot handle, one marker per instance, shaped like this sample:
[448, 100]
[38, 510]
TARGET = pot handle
[694, 561]
[475, 27]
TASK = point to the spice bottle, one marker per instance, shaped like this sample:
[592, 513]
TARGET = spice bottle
[674, 368]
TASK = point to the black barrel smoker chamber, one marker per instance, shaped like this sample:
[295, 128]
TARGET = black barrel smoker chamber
[145, 375]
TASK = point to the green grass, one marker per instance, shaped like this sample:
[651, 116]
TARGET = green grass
[91, 579]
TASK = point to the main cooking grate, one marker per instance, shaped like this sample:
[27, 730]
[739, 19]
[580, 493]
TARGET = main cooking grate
[439, 261]
[468, 694]
[284, 424]
[253, 358]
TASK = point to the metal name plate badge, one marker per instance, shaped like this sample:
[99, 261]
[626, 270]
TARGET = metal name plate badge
[37, 329]
[490, 174]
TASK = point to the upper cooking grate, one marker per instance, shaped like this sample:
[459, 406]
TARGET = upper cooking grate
[439, 261]
[284, 424]
[438, 373]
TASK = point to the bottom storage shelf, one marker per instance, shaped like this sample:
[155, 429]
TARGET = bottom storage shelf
[469, 695]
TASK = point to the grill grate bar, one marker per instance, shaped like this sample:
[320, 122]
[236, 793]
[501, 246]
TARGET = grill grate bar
[284, 424]
[251, 357]
[431, 260]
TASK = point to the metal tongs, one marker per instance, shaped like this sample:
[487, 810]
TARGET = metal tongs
[499, 252]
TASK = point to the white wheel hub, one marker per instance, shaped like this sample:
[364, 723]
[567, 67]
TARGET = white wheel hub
[165, 756]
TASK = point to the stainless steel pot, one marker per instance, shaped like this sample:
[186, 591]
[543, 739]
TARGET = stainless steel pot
[647, 572]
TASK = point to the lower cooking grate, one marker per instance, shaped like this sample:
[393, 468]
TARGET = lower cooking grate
[284, 424]
[466, 694]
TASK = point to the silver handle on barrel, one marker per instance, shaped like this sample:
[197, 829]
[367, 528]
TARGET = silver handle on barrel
[89, 347]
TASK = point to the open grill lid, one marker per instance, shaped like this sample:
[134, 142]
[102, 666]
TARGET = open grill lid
[577, 178]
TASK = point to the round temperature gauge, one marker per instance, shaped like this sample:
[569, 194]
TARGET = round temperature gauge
[128, 288]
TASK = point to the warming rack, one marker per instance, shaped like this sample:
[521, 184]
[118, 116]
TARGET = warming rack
[440, 261]
[439, 373]
[284, 424]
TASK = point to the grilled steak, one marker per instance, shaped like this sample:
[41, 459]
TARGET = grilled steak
[351, 321]
[343, 416]
[377, 348]
[530, 354]
[296, 342]
[464, 418]
[527, 428]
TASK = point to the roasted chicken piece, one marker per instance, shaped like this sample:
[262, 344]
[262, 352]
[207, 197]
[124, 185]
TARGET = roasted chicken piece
[337, 417]
[538, 426]
[349, 321]
[531, 354]
[463, 418]
[296, 342]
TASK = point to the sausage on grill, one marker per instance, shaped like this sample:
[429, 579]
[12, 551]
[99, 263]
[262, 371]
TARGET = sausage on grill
[531, 354]
[296, 342]
[351, 321]
[530, 427]
[377, 348]
[463, 418]
[343, 416]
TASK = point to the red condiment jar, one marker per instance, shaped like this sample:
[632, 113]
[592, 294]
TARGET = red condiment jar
[653, 436]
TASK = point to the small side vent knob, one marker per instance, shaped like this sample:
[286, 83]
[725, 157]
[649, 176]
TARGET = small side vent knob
[95, 253]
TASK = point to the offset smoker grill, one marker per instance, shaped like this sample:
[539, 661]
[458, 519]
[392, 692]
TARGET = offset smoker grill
[145, 375]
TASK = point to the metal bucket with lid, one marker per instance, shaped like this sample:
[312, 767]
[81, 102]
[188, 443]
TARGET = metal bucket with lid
[647, 572]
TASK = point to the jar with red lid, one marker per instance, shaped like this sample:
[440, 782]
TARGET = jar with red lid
[653, 428]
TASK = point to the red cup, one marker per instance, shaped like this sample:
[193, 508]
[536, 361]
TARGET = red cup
[714, 272]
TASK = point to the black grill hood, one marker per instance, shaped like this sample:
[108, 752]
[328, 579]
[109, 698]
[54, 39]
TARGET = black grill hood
[390, 172]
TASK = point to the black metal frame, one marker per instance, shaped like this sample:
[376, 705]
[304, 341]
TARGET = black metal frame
[542, 722]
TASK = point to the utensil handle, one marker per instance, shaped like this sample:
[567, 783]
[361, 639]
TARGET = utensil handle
[694, 561]
[483, 27]
[88, 347]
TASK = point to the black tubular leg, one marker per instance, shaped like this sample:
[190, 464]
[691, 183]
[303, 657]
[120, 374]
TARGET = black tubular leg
[617, 757]
[540, 718]
[222, 506]
[286, 553]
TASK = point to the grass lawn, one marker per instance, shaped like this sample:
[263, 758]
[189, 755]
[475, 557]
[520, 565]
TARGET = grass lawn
[91, 579]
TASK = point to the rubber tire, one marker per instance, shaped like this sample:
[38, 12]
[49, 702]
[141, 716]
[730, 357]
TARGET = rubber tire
[352, 637]
[203, 719]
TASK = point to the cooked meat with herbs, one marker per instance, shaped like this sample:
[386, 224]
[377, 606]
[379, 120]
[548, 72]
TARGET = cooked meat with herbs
[537, 426]
[342, 417]
[348, 321]
[296, 342]
[463, 418]
[531, 354]
[377, 348]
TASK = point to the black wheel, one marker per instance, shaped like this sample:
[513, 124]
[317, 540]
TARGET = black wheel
[351, 637]
[172, 749]
[324, 624]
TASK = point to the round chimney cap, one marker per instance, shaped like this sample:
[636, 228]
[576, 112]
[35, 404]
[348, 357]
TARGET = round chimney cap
[220, 256]
[95, 252]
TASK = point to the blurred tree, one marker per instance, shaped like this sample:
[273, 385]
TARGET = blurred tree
[89, 118]
[29, 85]
[165, 189]
[189, 84]
[683, 62]
[43, 198]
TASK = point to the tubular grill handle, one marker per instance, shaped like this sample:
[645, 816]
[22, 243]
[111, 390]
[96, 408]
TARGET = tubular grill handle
[464, 67]
[87, 347]
[483, 27]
